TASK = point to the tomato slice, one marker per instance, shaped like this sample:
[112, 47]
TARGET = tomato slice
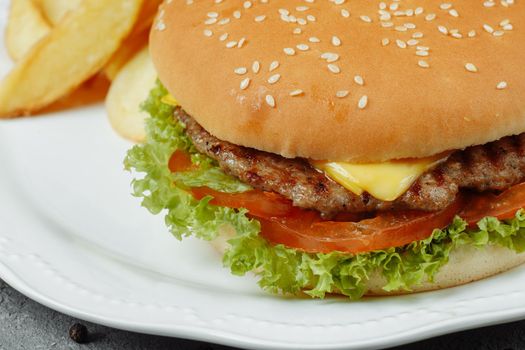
[381, 232]
[180, 161]
[503, 206]
[259, 204]
[282, 223]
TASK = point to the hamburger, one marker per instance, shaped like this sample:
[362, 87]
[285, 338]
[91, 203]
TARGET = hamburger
[358, 148]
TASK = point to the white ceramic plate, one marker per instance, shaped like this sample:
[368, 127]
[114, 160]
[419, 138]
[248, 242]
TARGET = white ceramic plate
[72, 238]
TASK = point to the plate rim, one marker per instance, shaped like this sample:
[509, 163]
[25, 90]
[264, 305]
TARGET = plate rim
[230, 339]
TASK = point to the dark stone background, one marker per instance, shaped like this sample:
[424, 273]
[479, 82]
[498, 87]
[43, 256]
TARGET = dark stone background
[25, 324]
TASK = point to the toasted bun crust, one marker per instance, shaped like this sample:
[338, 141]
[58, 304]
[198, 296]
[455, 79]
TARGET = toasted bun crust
[466, 264]
[411, 111]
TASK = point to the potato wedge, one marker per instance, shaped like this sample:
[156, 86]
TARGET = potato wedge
[129, 89]
[55, 10]
[25, 27]
[76, 49]
[129, 48]
[135, 41]
[147, 15]
[90, 92]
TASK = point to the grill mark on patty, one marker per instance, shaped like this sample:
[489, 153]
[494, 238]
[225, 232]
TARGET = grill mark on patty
[494, 166]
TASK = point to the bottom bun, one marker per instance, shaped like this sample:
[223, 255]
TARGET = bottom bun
[466, 264]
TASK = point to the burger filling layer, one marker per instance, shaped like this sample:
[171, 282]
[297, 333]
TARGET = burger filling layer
[180, 174]
[495, 166]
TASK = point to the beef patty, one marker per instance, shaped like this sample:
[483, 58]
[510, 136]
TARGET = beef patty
[491, 167]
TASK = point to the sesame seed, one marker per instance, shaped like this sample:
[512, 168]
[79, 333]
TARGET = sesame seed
[256, 67]
[342, 93]
[471, 67]
[359, 80]
[488, 28]
[336, 41]
[363, 102]
[241, 42]
[334, 68]
[241, 70]
[274, 79]
[297, 92]
[303, 47]
[160, 26]
[273, 66]
[502, 85]
[245, 83]
[330, 57]
[423, 64]
[401, 44]
[270, 100]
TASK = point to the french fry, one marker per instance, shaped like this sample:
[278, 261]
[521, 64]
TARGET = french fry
[76, 49]
[55, 10]
[25, 27]
[135, 41]
[129, 89]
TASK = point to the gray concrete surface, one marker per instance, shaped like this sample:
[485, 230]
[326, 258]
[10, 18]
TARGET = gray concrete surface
[25, 324]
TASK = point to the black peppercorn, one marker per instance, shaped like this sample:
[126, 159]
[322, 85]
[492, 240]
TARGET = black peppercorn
[78, 333]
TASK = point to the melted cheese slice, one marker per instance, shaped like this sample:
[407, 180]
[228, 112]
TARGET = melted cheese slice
[169, 100]
[385, 181]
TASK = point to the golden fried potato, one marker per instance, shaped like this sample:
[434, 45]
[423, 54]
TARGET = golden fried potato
[55, 10]
[129, 89]
[90, 92]
[129, 48]
[75, 50]
[135, 41]
[25, 27]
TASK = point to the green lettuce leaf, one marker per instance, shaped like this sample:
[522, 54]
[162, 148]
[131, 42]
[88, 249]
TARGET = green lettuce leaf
[281, 269]
[287, 270]
[163, 191]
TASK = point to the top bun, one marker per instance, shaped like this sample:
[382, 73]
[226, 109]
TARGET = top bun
[404, 81]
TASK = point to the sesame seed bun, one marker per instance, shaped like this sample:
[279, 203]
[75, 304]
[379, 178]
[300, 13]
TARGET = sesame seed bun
[418, 82]
[466, 264]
